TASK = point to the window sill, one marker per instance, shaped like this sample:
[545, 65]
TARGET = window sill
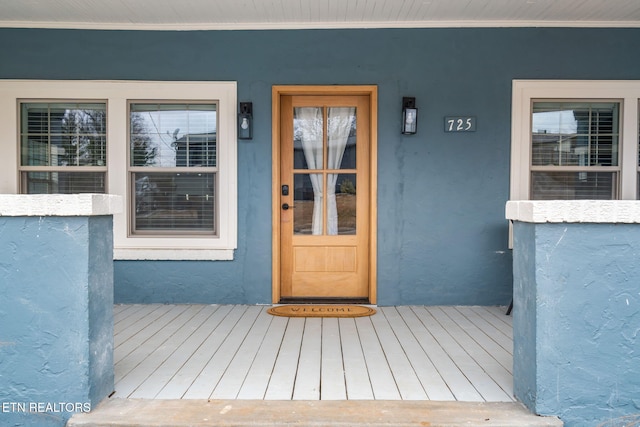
[140, 254]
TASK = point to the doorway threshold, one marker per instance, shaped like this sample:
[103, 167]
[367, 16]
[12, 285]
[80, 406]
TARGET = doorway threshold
[364, 301]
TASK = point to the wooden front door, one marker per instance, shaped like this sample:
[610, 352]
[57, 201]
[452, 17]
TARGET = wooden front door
[324, 196]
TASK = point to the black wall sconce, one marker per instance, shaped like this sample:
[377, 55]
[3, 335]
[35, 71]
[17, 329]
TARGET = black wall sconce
[409, 116]
[245, 121]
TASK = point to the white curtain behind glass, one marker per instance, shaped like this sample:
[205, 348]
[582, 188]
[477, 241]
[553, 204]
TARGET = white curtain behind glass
[339, 123]
[309, 120]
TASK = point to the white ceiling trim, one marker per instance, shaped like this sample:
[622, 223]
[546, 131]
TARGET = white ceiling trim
[185, 15]
[317, 25]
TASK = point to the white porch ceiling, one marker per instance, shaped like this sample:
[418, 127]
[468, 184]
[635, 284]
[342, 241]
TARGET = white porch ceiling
[276, 14]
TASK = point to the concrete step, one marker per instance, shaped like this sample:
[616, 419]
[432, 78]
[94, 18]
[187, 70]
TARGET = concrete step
[371, 413]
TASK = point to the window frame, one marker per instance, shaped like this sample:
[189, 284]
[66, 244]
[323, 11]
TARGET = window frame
[117, 95]
[132, 170]
[526, 92]
[615, 170]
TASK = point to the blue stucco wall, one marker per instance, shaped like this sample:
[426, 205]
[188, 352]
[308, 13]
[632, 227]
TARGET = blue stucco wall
[576, 319]
[525, 294]
[100, 308]
[442, 237]
[56, 334]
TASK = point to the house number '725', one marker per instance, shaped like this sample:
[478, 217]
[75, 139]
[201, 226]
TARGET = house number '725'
[460, 124]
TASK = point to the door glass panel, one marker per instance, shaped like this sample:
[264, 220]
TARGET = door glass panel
[341, 137]
[307, 200]
[308, 125]
[341, 204]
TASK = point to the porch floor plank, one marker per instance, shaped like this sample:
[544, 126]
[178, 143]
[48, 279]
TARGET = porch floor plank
[158, 330]
[170, 338]
[174, 376]
[241, 352]
[456, 380]
[459, 346]
[475, 331]
[491, 331]
[236, 374]
[206, 381]
[408, 384]
[496, 316]
[124, 311]
[382, 381]
[163, 362]
[135, 350]
[435, 387]
[257, 379]
[333, 382]
[307, 383]
[197, 359]
[484, 351]
[136, 322]
[119, 308]
[283, 377]
[355, 366]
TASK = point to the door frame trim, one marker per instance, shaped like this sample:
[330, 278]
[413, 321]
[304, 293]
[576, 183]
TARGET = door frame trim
[277, 92]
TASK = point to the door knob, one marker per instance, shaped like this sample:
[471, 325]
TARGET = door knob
[285, 206]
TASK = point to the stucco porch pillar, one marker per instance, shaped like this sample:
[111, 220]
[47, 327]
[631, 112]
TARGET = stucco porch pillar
[56, 309]
[576, 325]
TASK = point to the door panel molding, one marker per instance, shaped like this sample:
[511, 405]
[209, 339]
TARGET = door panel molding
[280, 94]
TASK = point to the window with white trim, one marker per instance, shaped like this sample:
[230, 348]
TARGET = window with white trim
[575, 140]
[168, 148]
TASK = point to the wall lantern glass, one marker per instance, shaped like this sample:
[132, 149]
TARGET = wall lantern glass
[245, 121]
[409, 116]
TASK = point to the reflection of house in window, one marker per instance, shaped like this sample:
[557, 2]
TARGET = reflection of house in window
[194, 192]
[183, 199]
[553, 149]
[196, 149]
[575, 136]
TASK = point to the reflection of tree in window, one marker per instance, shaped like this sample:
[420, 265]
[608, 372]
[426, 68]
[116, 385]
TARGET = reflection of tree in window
[82, 137]
[142, 151]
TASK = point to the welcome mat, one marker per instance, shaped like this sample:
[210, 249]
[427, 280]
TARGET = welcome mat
[312, 310]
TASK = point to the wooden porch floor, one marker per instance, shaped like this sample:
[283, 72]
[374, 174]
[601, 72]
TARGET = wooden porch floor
[242, 352]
